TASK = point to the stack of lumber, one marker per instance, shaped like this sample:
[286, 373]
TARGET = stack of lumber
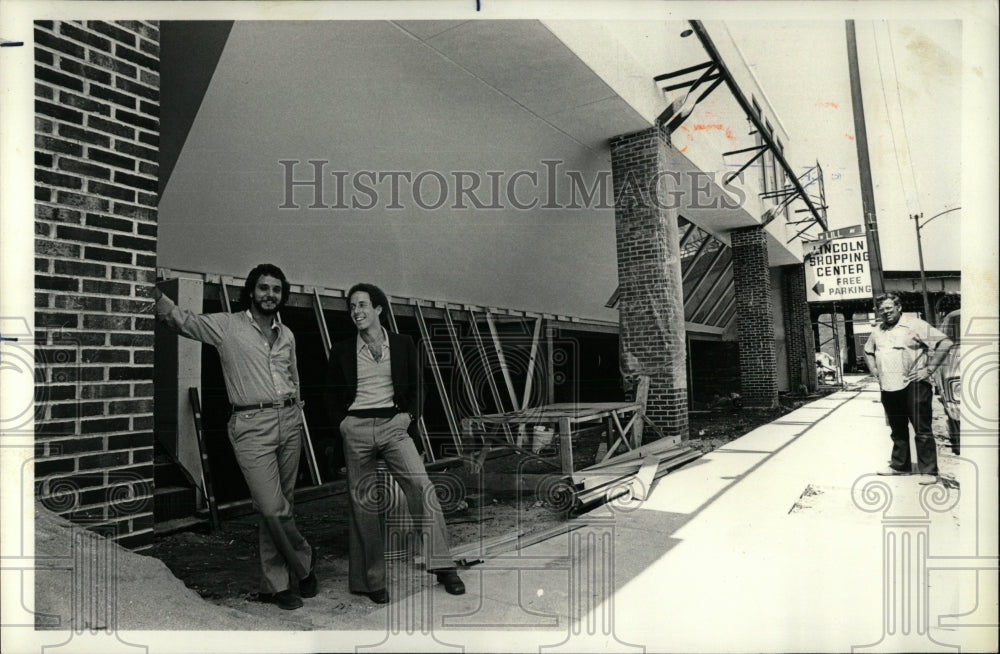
[630, 474]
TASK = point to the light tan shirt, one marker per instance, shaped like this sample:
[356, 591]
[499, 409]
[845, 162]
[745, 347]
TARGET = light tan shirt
[901, 349]
[255, 371]
[374, 377]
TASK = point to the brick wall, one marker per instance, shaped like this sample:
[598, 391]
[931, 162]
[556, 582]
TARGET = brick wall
[651, 304]
[96, 178]
[754, 317]
[798, 329]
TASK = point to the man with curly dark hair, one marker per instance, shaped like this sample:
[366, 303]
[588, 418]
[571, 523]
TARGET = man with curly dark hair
[265, 429]
[373, 396]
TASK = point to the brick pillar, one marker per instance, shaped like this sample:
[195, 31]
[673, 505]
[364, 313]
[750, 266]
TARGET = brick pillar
[96, 176]
[651, 304]
[754, 317]
[798, 330]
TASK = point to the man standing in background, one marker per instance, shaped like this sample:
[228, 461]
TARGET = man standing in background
[262, 381]
[903, 352]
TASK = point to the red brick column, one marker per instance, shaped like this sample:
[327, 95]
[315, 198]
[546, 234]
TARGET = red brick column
[651, 303]
[798, 329]
[97, 136]
[754, 317]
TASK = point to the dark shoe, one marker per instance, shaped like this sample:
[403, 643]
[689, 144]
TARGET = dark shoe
[286, 599]
[379, 596]
[309, 586]
[890, 471]
[451, 582]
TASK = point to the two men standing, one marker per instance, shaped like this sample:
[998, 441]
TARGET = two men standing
[903, 352]
[373, 387]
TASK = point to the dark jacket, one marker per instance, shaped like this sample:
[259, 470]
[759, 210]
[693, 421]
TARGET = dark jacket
[342, 379]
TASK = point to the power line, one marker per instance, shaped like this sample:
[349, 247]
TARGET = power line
[902, 115]
[892, 132]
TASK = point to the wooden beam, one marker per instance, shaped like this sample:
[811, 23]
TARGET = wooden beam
[439, 380]
[421, 425]
[531, 363]
[481, 347]
[530, 378]
[308, 447]
[711, 290]
[501, 359]
[641, 395]
[566, 445]
[550, 377]
[227, 305]
[324, 332]
[460, 358]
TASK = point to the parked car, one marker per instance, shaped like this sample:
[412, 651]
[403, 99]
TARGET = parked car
[948, 379]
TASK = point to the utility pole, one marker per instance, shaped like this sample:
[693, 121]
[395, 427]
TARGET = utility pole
[916, 218]
[923, 278]
[864, 165]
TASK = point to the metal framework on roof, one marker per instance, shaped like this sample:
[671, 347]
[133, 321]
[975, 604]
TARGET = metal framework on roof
[715, 72]
[707, 279]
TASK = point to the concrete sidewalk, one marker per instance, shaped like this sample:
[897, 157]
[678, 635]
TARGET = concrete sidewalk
[783, 540]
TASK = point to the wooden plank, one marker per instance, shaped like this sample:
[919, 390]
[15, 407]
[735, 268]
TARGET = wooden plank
[550, 373]
[480, 551]
[553, 532]
[439, 380]
[527, 540]
[511, 446]
[643, 482]
[206, 468]
[530, 377]
[677, 462]
[531, 364]
[307, 446]
[425, 438]
[501, 359]
[463, 371]
[641, 396]
[334, 299]
[324, 332]
[488, 369]
[576, 412]
[631, 463]
[566, 445]
[656, 447]
[227, 305]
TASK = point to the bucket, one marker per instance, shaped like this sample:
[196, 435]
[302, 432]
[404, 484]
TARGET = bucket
[541, 438]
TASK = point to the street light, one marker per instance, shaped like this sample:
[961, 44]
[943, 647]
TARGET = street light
[920, 253]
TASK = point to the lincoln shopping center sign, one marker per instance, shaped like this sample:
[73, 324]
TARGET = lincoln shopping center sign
[837, 266]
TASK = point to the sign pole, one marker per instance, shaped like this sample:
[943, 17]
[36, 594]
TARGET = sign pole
[836, 346]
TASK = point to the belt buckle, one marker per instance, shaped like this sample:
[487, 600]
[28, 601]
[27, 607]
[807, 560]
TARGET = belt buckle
[277, 405]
